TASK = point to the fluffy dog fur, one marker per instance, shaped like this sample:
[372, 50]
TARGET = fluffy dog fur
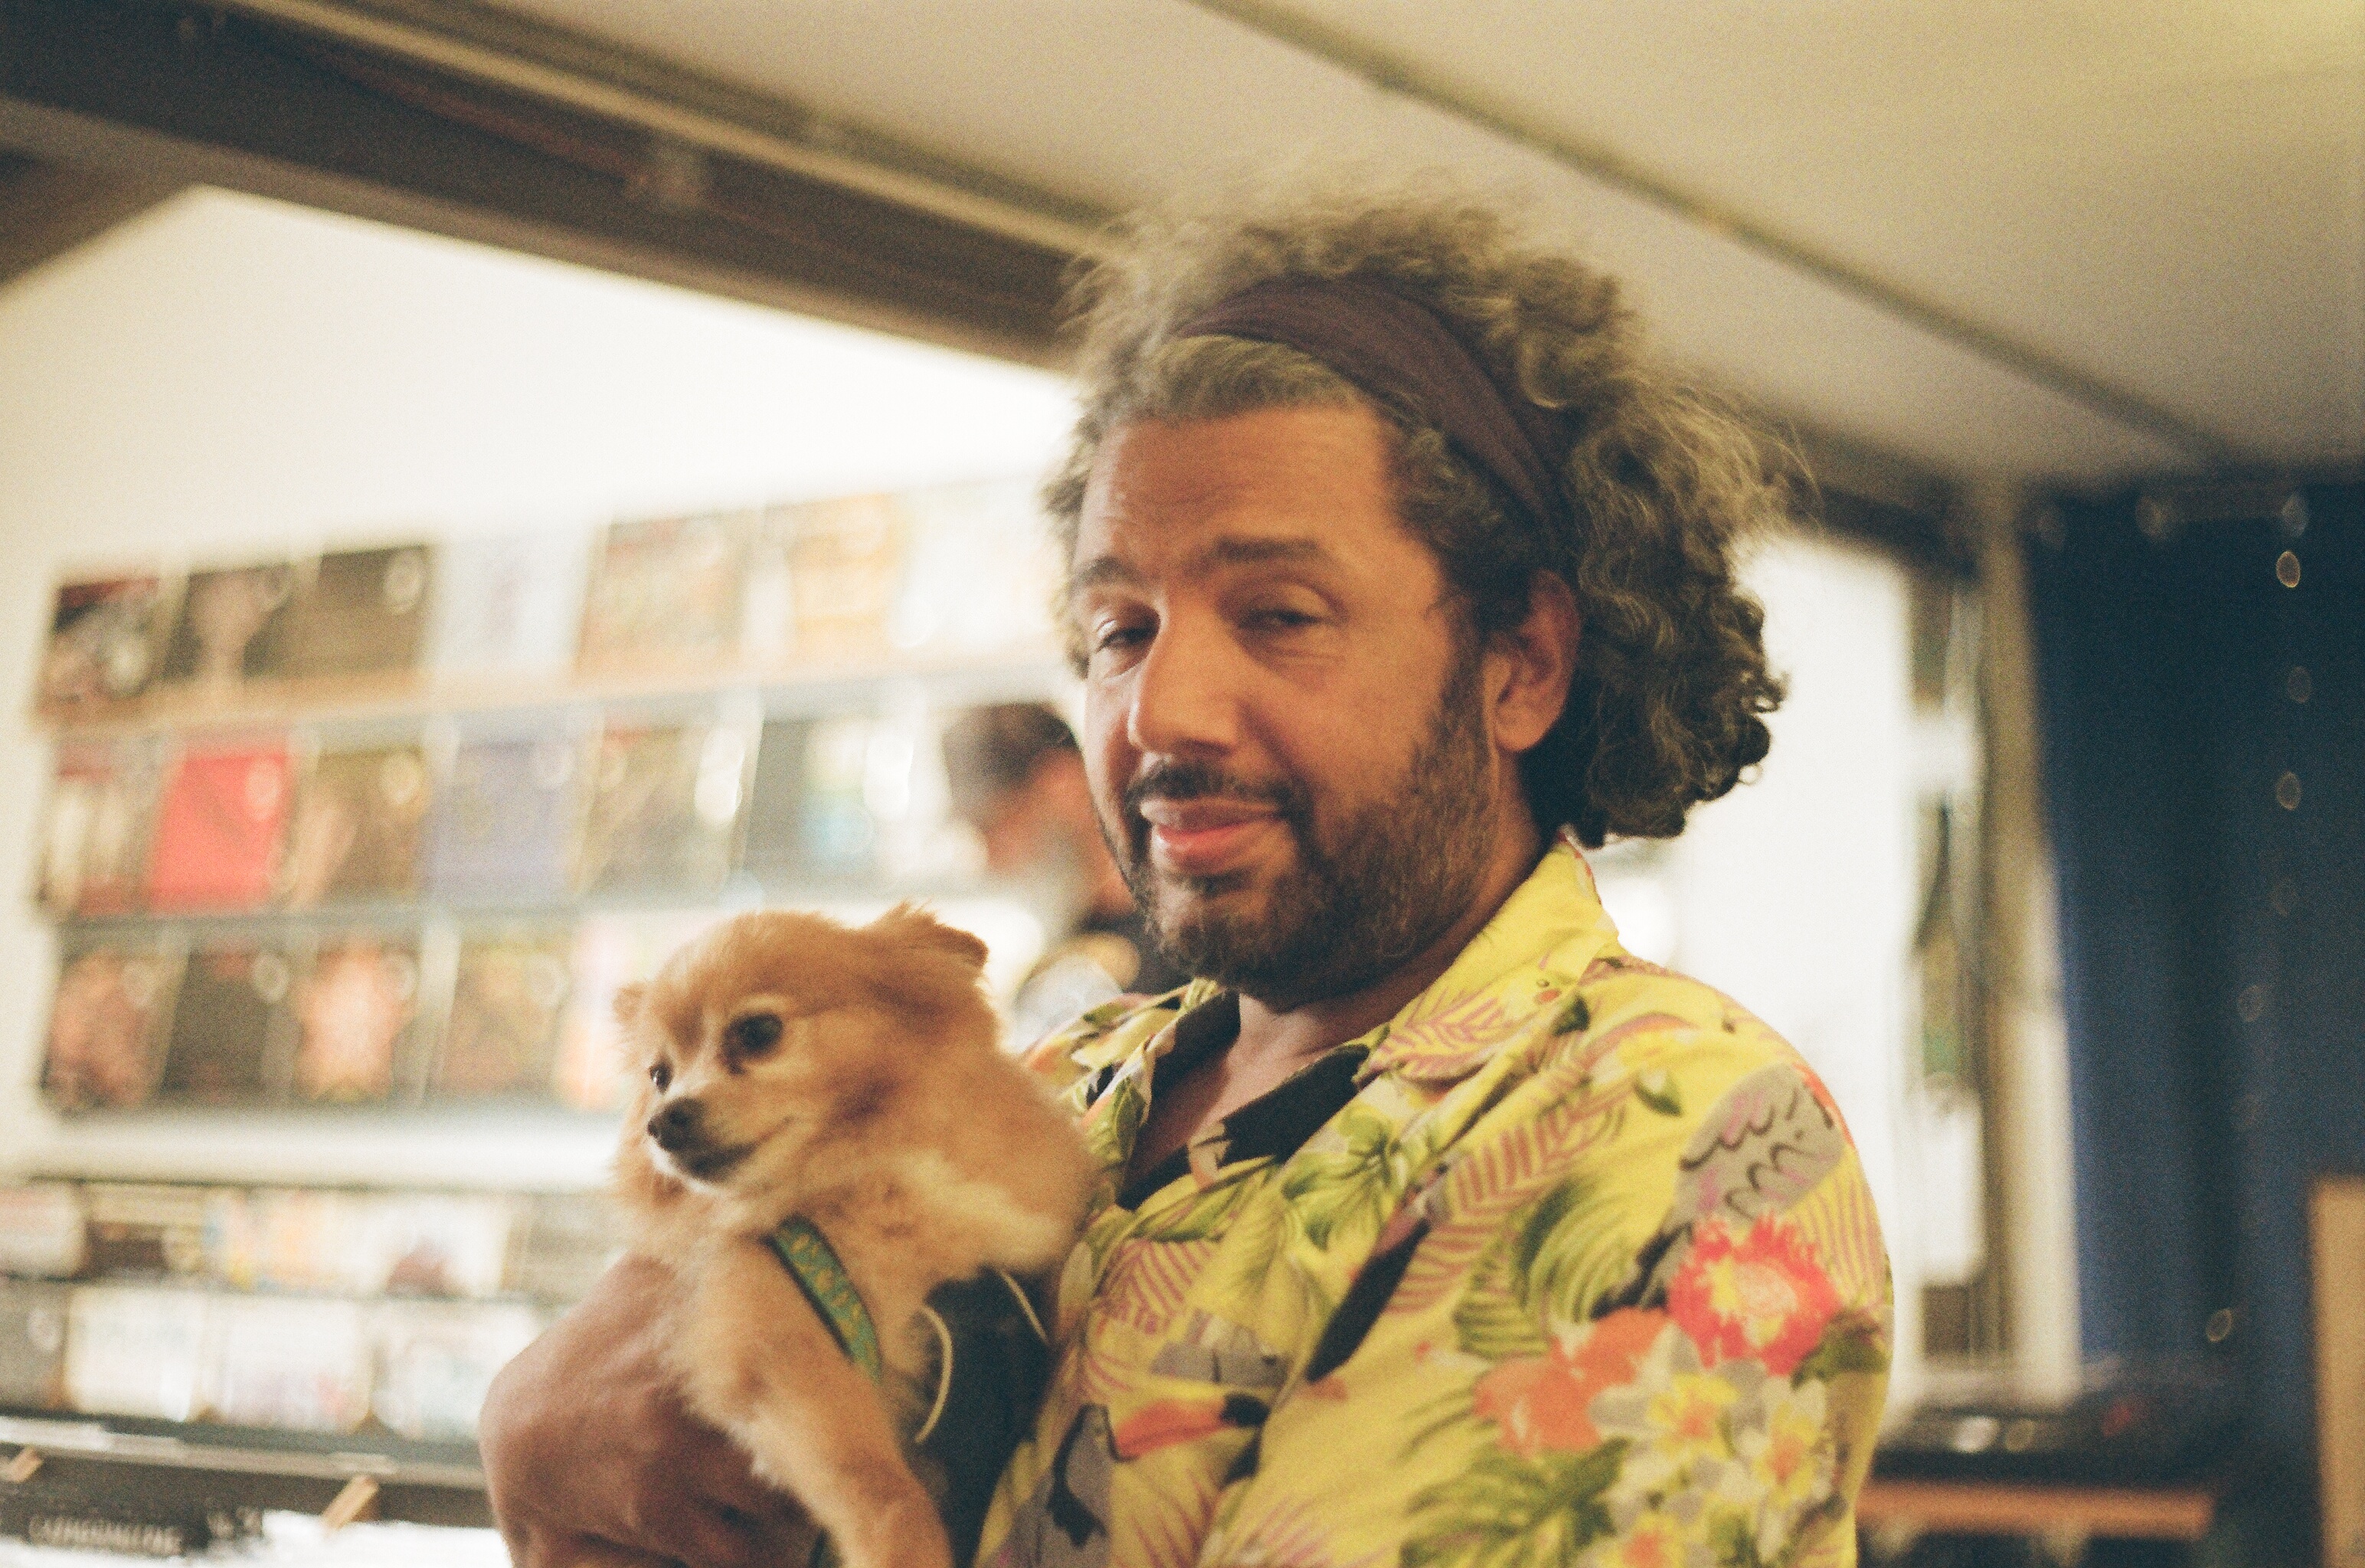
[793, 1065]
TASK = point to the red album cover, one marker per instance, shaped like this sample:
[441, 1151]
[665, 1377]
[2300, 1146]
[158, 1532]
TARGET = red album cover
[355, 1008]
[218, 825]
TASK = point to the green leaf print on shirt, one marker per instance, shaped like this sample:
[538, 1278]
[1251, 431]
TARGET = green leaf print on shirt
[1505, 1511]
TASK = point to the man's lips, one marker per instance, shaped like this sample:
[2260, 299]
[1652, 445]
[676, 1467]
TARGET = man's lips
[1204, 836]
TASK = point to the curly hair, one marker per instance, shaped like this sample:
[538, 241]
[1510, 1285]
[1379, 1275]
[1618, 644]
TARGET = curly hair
[1668, 705]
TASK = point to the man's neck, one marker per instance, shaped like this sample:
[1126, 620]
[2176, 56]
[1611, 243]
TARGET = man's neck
[1292, 1034]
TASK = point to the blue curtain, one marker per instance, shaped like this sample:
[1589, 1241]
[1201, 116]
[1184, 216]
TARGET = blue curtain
[2202, 687]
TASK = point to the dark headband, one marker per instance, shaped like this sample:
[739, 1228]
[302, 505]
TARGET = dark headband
[1397, 350]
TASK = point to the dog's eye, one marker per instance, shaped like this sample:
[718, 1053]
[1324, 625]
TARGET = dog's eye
[661, 1075]
[754, 1035]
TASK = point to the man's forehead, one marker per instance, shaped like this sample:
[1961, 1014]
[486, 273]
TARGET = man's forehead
[1109, 562]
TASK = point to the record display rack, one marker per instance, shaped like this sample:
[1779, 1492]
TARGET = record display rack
[345, 854]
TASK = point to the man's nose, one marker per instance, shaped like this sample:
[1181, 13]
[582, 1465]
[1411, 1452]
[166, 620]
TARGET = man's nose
[678, 1125]
[1185, 695]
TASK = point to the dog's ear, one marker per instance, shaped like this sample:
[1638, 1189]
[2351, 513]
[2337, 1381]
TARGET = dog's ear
[914, 926]
[628, 1004]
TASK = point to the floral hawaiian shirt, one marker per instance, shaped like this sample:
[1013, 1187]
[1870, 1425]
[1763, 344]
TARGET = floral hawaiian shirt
[1571, 1261]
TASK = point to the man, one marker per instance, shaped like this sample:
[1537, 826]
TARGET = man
[1437, 1229]
[1017, 778]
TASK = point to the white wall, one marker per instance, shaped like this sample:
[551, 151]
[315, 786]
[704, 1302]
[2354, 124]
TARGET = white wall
[228, 375]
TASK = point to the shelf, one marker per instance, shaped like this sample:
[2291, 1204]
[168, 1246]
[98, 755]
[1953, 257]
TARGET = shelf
[958, 683]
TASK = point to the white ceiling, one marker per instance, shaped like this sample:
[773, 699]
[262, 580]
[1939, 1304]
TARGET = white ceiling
[2165, 196]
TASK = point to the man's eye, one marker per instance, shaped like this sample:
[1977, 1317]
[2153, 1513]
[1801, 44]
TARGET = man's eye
[1119, 637]
[1280, 618]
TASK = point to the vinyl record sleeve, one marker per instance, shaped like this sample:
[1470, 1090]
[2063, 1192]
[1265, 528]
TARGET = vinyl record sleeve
[42, 1231]
[844, 558]
[106, 636]
[663, 595]
[286, 1361]
[773, 846]
[566, 1243]
[507, 604]
[220, 820]
[509, 1000]
[436, 1244]
[837, 833]
[108, 1020]
[233, 628]
[612, 951]
[233, 1024]
[357, 1014]
[666, 808]
[363, 613]
[132, 1351]
[33, 1343]
[978, 574]
[502, 825]
[95, 826]
[436, 1361]
[308, 1238]
[146, 1229]
[360, 817]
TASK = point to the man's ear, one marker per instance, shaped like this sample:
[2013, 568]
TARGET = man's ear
[915, 928]
[628, 1004]
[1530, 666]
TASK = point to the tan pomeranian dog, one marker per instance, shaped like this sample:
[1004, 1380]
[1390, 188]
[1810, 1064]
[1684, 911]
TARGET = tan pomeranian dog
[794, 1066]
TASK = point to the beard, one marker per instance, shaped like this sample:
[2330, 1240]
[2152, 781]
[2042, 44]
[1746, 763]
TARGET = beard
[1365, 894]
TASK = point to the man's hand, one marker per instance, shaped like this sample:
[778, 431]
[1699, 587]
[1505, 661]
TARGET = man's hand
[591, 1459]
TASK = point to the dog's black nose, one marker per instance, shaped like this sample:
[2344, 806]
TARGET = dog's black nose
[679, 1126]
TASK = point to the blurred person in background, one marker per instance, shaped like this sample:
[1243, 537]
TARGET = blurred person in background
[1017, 777]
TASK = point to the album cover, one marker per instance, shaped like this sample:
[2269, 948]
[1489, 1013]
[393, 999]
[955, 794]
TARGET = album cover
[837, 832]
[93, 847]
[105, 637]
[507, 604]
[218, 824]
[502, 825]
[838, 561]
[612, 951]
[286, 1361]
[232, 627]
[132, 1351]
[108, 1020]
[363, 613]
[357, 1015]
[146, 1230]
[33, 1343]
[566, 1243]
[41, 1230]
[306, 1239]
[438, 1244]
[663, 595]
[665, 808]
[436, 1361]
[772, 848]
[978, 574]
[230, 1240]
[508, 999]
[359, 817]
[233, 1024]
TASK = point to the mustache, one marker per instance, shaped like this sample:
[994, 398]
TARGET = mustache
[1184, 781]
